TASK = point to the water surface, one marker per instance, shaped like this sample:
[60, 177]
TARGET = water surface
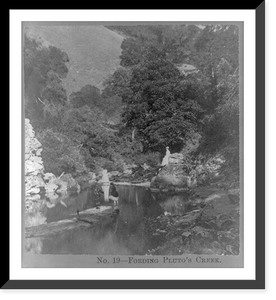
[129, 235]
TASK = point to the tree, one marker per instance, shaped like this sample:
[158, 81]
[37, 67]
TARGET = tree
[132, 51]
[44, 68]
[60, 153]
[178, 42]
[216, 50]
[85, 128]
[159, 103]
[116, 83]
[88, 95]
[217, 56]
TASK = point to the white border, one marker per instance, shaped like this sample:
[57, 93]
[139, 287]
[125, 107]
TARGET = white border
[16, 17]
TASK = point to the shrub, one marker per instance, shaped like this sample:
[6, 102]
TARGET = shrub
[59, 153]
[150, 158]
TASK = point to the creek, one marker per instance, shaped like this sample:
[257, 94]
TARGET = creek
[129, 235]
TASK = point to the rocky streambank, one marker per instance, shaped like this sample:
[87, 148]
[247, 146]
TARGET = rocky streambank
[206, 221]
[38, 184]
[177, 175]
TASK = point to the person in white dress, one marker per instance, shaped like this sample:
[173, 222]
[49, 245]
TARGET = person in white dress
[165, 160]
[105, 184]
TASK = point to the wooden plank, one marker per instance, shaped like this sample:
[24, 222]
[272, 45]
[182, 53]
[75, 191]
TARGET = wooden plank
[85, 219]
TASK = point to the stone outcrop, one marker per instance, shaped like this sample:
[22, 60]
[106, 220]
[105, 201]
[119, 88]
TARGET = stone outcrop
[68, 181]
[176, 159]
[171, 176]
[33, 166]
[36, 181]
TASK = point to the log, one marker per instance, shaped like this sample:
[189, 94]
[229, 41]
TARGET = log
[83, 219]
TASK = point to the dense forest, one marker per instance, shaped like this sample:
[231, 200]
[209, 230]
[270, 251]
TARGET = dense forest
[177, 86]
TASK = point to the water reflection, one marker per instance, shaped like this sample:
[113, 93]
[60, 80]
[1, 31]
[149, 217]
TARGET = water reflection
[33, 245]
[125, 234]
[176, 204]
[70, 204]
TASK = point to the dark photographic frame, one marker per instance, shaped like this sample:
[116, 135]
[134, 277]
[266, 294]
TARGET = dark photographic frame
[259, 282]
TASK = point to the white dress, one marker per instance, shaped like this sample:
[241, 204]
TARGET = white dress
[165, 160]
[105, 184]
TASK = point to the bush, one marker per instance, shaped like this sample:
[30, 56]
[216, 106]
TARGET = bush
[60, 154]
[151, 158]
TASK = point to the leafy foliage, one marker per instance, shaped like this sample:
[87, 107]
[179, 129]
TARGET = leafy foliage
[146, 104]
[60, 154]
[89, 95]
[116, 83]
[160, 104]
[44, 67]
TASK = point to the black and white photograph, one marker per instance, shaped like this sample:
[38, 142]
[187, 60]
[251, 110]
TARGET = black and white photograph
[133, 144]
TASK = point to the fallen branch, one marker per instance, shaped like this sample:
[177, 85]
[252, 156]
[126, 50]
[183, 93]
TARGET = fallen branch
[61, 175]
[40, 100]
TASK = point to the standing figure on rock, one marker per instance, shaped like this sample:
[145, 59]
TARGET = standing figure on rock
[165, 160]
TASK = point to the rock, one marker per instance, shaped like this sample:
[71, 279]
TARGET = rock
[186, 234]
[34, 190]
[33, 181]
[175, 205]
[171, 176]
[62, 186]
[52, 197]
[145, 166]
[72, 183]
[32, 197]
[152, 180]
[216, 245]
[50, 188]
[34, 167]
[127, 172]
[176, 158]
[208, 251]
[114, 173]
[49, 177]
[34, 219]
[92, 176]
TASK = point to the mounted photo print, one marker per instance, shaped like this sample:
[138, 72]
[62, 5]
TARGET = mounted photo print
[133, 143]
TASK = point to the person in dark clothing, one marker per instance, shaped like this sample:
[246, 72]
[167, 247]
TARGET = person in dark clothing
[114, 195]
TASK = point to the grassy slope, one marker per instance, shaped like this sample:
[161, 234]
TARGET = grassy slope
[93, 52]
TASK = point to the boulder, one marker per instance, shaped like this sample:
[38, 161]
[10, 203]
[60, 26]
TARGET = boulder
[50, 188]
[92, 175]
[171, 176]
[33, 190]
[33, 197]
[49, 177]
[52, 197]
[62, 186]
[145, 166]
[127, 172]
[33, 181]
[72, 183]
[34, 166]
[175, 204]
[176, 158]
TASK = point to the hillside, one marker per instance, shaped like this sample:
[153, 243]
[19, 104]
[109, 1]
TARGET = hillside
[93, 51]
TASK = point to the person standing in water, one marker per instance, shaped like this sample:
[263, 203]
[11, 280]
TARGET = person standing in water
[114, 195]
[105, 184]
